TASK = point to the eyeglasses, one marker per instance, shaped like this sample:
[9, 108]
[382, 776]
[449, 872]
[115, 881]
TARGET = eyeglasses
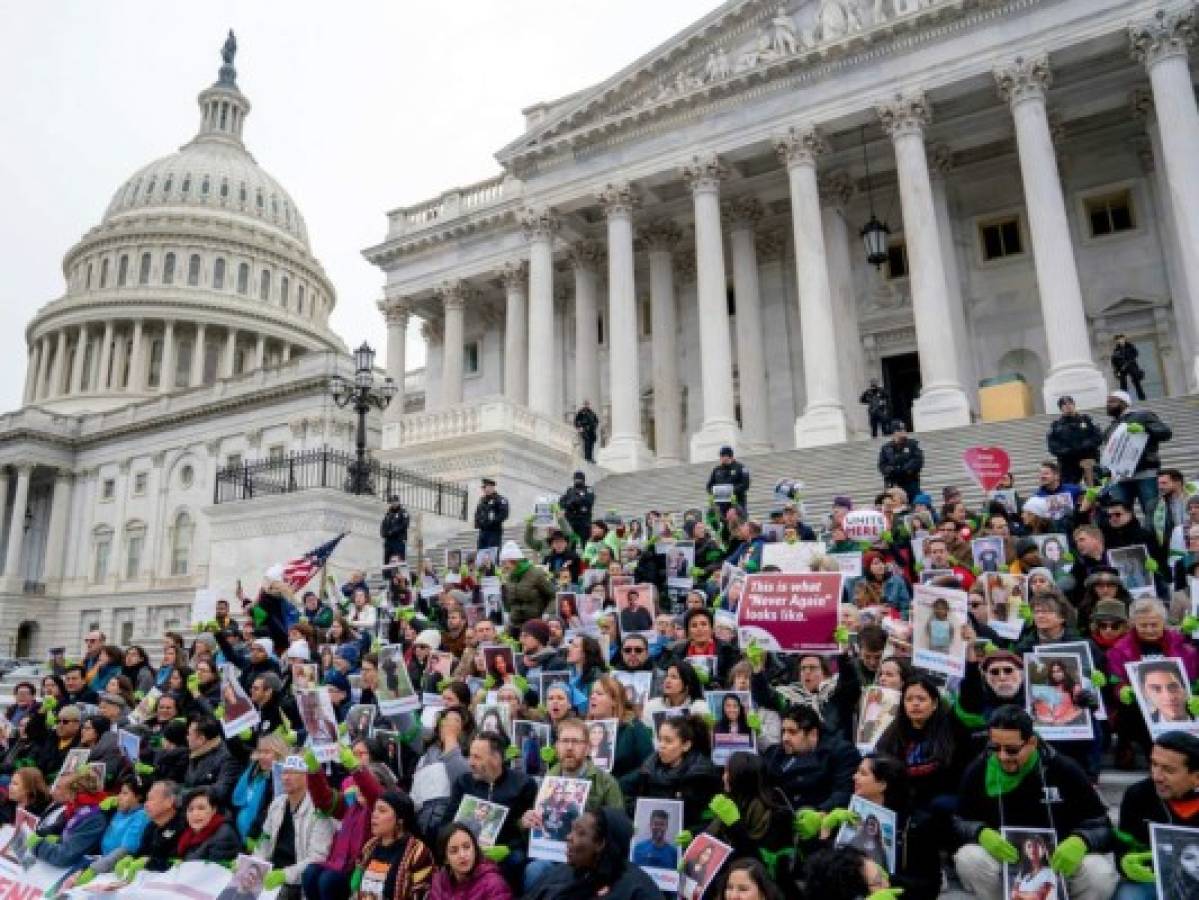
[1001, 670]
[637, 650]
[1004, 750]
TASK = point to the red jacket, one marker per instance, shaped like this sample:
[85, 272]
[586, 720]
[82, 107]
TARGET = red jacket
[486, 883]
[1128, 649]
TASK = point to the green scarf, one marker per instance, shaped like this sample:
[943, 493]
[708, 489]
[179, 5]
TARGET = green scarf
[519, 570]
[999, 782]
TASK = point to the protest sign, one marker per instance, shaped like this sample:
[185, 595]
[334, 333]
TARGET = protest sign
[864, 524]
[795, 557]
[559, 802]
[987, 465]
[1121, 454]
[938, 615]
[204, 605]
[656, 825]
[785, 611]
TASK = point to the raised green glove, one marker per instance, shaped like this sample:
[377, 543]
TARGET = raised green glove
[701, 672]
[496, 854]
[33, 840]
[246, 734]
[1193, 706]
[193, 684]
[1138, 867]
[1025, 612]
[258, 614]
[1126, 695]
[219, 712]
[684, 838]
[51, 720]
[143, 768]
[348, 760]
[310, 760]
[756, 655]
[1190, 624]
[521, 683]
[511, 753]
[52, 839]
[754, 721]
[1151, 566]
[807, 824]
[274, 878]
[343, 729]
[1068, 856]
[886, 537]
[889, 893]
[837, 817]
[108, 804]
[489, 682]
[1000, 848]
[49, 704]
[1098, 679]
[725, 809]
[405, 614]
[1135, 428]
[841, 635]
[85, 877]
[355, 880]
[443, 684]
[696, 572]
[549, 755]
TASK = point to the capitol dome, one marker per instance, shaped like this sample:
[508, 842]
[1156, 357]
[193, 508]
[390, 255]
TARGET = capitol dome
[199, 270]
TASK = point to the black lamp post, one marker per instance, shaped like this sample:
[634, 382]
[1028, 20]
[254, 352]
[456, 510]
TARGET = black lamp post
[874, 233]
[362, 393]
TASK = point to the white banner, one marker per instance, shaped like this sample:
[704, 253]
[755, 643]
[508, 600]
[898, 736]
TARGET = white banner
[1122, 453]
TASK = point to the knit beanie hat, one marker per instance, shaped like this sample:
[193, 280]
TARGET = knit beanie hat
[537, 629]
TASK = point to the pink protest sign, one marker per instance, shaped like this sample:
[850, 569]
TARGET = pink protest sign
[987, 465]
[788, 611]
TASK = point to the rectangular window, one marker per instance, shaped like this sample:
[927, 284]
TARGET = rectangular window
[1001, 238]
[233, 461]
[108, 488]
[1110, 213]
[897, 260]
[154, 377]
[470, 358]
[276, 452]
[103, 550]
[140, 480]
[133, 558]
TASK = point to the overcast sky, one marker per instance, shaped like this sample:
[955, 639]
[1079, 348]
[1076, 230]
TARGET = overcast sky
[357, 108]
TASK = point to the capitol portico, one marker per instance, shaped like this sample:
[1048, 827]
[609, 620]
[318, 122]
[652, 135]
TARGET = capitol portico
[679, 244]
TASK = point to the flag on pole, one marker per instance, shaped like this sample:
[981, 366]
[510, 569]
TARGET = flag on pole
[299, 571]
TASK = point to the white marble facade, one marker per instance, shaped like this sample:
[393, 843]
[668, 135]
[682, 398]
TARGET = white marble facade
[1039, 196]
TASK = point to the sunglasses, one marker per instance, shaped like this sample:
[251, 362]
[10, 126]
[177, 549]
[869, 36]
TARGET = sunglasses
[1109, 626]
[1002, 670]
[632, 649]
[1002, 750]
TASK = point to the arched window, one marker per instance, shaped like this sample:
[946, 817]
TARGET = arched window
[243, 278]
[181, 543]
[151, 185]
[193, 270]
[123, 270]
[187, 184]
[224, 188]
[241, 194]
[166, 185]
[204, 186]
[260, 201]
[284, 288]
[168, 269]
[274, 206]
[264, 285]
[88, 282]
[143, 272]
[104, 272]
[218, 274]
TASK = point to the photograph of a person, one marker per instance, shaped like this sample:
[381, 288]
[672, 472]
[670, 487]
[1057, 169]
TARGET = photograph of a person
[1053, 553]
[568, 610]
[1004, 594]
[560, 801]
[879, 706]
[679, 560]
[316, 712]
[1030, 877]
[249, 874]
[656, 825]
[1054, 687]
[394, 692]
[239, 711]
[360, 720]
[636, 606]
[304, 675]
[495, 717]
[500, 662]
[1130, 562]
[988, 553]
[529, 738]
[1163, 695]
[24, 824]
[874, 834]
[731, 731]
[441, 663]
[601, 743]
[1175, 861]
[703, 859]
[938, 615]
[636, 686]
[482, 817]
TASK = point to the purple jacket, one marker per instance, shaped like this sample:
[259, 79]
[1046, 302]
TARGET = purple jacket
[485, 884]
[1128, 649]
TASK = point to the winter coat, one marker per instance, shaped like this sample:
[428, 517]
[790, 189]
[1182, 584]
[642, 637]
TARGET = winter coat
[1074, 438]
[433, 784]
[159, 842]
[820, 779]
[1128, 649]
[1159, 432]
[223, 845]
[355, 821]
[491, 513]
[1124, 361]
[564, 881]
[313, 831]
[733, 473]
[899, 463]
[80, 836]
[527, 595]
[108, 751]
[634, 744]
[1141, 806]
[124, 831]
[577, 504]
[515, 790]
[604, 789]
[216, 769]
[251, 797]
[695, 781]
[394, 528]
[413, 870]
[484, 883]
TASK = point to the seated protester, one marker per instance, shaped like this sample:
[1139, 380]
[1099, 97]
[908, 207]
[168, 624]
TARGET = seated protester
[747, 878]
[453, 634]
[1169, 796]
[681, 690]
[209, 763]
[922, 738]
[634, 741]
[1103, 584]
[27, 791]
[845, 873]
[751, 818]
[597, 854]
[556, 551]
[260, 660]
[709, 557]
[570, 752]
[681, 769]
[892, 588]
[126, 824]
[585, 662]
[204, 687]
[1185, 566]
[98, 735]
[991, 682]
[834, 696]
[78, 690]
[936, 556]
[316, 612]
[536, 654]
[699, 626]
[340, 694]
[53, 736]
[295, 834]
[158, 849]
[424, 642]
[1121, 527]
[812, 767]
[394, 863]
[491, 778]
[83, 823]
[254, 791]
[1023, 783]
[768, 725]
[635, 654]
[558, 706]
[208, 837]
[1051, 615]
[171, 758]
[442, 764]
[464, 873]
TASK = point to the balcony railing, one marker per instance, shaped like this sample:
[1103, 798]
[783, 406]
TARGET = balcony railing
[337, 470]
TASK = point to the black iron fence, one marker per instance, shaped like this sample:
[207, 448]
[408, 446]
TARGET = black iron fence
[336, 469]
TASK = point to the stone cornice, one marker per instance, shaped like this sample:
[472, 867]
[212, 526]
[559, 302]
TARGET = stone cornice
[394, 249]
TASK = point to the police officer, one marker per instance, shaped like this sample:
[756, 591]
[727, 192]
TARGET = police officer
[587, 425]
[490, 515]
[900, 460]
[394, 530]
[878, 406]
[729, 471]
[576, 504]
[1074, 441]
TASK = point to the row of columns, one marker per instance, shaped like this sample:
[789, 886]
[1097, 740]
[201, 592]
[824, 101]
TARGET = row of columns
[47, 378]
[56, 532]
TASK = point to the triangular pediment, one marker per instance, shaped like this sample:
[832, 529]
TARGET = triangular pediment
[1129, 305]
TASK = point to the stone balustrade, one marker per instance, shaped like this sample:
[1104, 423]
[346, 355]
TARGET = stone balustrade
[475, 419]
[451, 204]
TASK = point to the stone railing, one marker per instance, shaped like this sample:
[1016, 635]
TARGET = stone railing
[451, 204]
[475, 419]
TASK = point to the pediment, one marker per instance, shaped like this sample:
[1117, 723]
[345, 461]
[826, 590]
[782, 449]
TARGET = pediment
[1131, 305]
[737, 45]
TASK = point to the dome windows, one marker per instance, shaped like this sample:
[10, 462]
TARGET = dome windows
[204, 186]
[87, 284]
[143, 272]
[150, 185]
[123, 270]
[224, 188]
[186, 187]
[168, 269]
[243, 278]
[103, 273]
[193, 270]
[264, 285]
[166, 185]
[241, 194]
[261, 202]
[284, 289]
[300, 299]
[218, 274]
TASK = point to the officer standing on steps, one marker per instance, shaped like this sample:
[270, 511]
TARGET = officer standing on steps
[490, 515]
[878, 406]
[1074, 440]
[587, 425]
[394, 530]
[730, 472]
[900, 460]
[576, 504]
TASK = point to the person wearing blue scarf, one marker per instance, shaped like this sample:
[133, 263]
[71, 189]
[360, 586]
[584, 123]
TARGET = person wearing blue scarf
[254, 791]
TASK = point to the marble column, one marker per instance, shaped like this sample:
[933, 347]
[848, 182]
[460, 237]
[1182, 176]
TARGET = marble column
[703, 175]
[16, 522]
[76, 384]
[836, 190]
[287, 359]
[260, 352]
[58, 370]
[56, 530]
[586, 257]
[453, 301]
[660, 240]
[105, 354]
[121, 353]
[942, 402]
[626, 449]
[539, 228]
[742, 215]
[1071, 370]
[166, 371]
[823, 419]
[3, 499]
[137, 357]
[43, 370]
[230, 363]
[396, 315]
[31, 372]
[199, 347]
[514, 277]
[1161, 45]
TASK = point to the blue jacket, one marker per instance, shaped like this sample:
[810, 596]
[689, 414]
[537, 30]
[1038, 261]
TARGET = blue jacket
[80, 837]
[103, 676]
[124, 831]
[250, 794]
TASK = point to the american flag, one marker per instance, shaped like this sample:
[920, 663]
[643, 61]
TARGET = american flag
[299, 571]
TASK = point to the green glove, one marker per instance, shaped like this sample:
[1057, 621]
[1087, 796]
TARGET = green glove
[837, 817]
[886, 894]
[193, 684]
[754, 721]
[725, 810]
[85, 877]
[356, 880]
[143, 768]
[343, 729]
[886, 537]
[521, 683]
[807, 824]
[496, 854]
[139, 695]
[52, 839]
[1025, 612]
[1151, 566]
[1098, 679]
[443, 684]
[274, 878]
[51, 720]
[405, 614]
[108, 804]
[410, 734]
[258, 614]
[549, 755]
[701, 672]
[1193, 706]
[756, 655]
[246, 734]
[998, 846]
[841, 635]
[33, 840]
[1126, 695]
[49, 704]
[252, 844]
[219, 712]
[684, 838]
[697, 572]
[1138, 867]
[1190, 624]
[1068, 856]
[489, 682]
[310, 760]
[122, 867]
[511, 753]
[348, 760]
[1135, 428]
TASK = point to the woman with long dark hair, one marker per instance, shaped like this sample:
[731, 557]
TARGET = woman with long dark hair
[585, 660]
[137, 668]
[394, 863]
[681, 690]
[1035, 880]
[464, 873]
[747, 817]
[681, 769]
[597, 863]
[747, 879]
[634, 741]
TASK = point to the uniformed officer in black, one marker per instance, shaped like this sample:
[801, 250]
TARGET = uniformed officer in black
[576, 504]
[394, 530]
[587, 425]
[729, 471]
[490, 515]
[1074, 440]
[878, 407]
[900, 460]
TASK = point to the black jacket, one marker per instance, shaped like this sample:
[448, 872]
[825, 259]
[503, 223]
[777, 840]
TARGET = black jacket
[515, 790]
[563, 881]
[1074, 437]
[577, 503]
[223, 846]
[1124, 360]
[158, 844]
[876, 400]
[1141, 806]
[821, 779]
[1057, 796]
[394, 527]
[1159, 432]
[587, 422]
[216, 769]
[695, 781]
[735, 474]
[900, 462]
[491, 513]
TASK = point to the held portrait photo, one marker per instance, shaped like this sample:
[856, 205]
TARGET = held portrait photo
[249, 874]
[636, 606]
[601, 743]
[1055, 687]
[1175, 860]
[1030, 877]
[656, 825]
[500, 662]
[704, 858]
[731, 731]
[1162, 693]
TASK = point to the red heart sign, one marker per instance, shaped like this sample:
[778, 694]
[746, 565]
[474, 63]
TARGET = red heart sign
[987, 465]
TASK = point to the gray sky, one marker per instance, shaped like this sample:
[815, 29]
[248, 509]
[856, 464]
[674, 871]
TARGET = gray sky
[358, 108]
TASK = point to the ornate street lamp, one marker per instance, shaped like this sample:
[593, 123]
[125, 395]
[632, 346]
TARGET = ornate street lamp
[874, 233]
[362, 393]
